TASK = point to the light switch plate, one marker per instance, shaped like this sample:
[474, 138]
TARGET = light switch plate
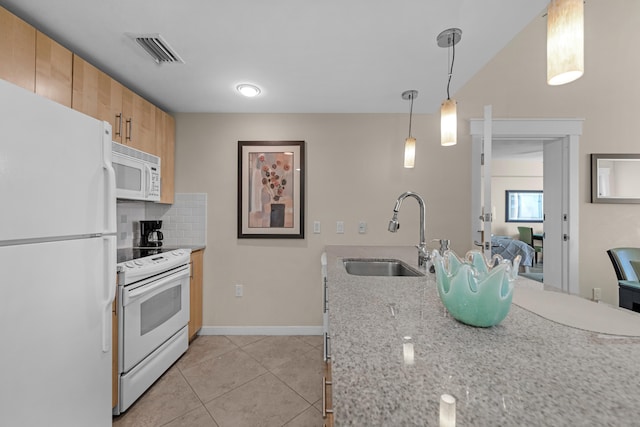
[316, 227]
[340, 227]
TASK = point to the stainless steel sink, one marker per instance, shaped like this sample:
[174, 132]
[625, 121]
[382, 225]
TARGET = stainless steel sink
[379, 267]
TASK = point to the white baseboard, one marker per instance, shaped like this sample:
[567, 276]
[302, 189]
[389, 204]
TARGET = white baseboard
[261, 330]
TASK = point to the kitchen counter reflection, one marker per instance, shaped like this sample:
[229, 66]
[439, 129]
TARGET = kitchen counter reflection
[395, 351]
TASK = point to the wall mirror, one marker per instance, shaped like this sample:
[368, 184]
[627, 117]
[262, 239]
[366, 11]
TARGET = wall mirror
[524, 206]
[615, 178]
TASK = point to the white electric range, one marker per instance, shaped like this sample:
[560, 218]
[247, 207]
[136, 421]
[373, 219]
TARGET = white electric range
[153, 316]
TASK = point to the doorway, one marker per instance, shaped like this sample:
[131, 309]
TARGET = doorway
[561, 169]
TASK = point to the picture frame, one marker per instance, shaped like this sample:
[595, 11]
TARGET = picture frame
[271, 184]
[614, 178]
[524, 206]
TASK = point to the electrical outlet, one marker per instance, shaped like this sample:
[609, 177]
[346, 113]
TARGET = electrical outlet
[316, 227]
[239, 290]
[362, 227]
[597, 294]
[340, 227]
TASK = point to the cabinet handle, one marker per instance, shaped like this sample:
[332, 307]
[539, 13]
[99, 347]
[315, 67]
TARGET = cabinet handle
[130, 129]
[326, 300]
[325, 411]
[119, 121]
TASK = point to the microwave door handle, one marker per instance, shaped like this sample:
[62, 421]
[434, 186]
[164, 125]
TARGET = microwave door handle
[147, 171]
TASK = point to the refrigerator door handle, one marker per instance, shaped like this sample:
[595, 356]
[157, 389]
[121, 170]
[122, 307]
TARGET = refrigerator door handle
[109, 243]
[110, 181]
[110, 197]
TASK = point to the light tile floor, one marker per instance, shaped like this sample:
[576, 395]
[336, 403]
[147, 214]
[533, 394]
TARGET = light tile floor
[236, 381]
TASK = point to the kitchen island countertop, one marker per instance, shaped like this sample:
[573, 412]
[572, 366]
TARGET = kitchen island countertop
[526, 371]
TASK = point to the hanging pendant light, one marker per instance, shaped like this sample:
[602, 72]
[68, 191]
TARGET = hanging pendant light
[448, 115]
[565, 41]
[410, 142]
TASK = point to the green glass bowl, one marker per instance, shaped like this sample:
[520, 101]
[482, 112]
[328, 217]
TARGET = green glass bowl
[474, 291]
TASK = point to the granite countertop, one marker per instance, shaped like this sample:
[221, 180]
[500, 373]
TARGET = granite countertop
[525, 371]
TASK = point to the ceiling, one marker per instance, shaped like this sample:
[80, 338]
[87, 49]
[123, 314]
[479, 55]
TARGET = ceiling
[307, 56]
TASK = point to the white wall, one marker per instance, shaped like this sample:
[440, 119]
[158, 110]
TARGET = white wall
[354, 172]
[514, 83]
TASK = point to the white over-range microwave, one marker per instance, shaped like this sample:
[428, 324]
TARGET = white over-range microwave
[137, 173]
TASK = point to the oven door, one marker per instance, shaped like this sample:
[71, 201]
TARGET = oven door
[153, 311]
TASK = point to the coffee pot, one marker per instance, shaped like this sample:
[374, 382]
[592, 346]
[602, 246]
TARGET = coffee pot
[150, 234]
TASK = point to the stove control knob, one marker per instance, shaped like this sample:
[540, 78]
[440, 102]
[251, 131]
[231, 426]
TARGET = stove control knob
[128, 264]
[138, 262]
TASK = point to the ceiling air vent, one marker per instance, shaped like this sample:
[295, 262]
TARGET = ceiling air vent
[158, 48]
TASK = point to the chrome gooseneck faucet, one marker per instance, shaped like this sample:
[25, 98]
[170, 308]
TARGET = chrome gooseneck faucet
[423, 253]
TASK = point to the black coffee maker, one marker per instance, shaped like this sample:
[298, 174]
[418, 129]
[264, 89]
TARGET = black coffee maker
[150, 234]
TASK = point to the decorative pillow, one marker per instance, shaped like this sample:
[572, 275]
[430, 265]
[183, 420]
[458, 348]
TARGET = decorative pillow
[636, 268]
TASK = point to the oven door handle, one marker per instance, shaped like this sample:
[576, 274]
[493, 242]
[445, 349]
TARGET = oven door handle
[130, 296]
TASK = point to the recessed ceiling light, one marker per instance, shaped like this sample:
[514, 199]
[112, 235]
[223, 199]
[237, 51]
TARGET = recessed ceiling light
[248, 90]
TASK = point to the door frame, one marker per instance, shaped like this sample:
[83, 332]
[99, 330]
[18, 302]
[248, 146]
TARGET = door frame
[542, 128]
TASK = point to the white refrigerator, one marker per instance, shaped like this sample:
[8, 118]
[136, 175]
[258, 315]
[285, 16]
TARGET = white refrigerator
[57, 263]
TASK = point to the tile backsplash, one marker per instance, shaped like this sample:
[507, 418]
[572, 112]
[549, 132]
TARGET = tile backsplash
[183, 224]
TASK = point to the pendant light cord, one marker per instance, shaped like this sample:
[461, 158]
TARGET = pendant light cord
[410, 114]
[453, 58]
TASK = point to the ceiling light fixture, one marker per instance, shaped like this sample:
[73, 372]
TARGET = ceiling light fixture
[248, 90]
[448, 116]
[565, 41]
[410, 142]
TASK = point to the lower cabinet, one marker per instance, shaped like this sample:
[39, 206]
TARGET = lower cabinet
[195, 289]
[327, 398]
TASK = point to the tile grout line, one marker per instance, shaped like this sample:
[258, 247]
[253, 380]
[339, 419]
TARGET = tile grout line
[197, 396]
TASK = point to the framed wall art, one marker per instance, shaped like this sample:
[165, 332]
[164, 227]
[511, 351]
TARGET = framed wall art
[271, 189]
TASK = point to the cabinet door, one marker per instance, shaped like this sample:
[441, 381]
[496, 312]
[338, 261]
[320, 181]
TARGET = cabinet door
[139, 123]
[165, 138]
[17, 50]
[96, 94]
[327, 401]
[54, 70]
[195, 302]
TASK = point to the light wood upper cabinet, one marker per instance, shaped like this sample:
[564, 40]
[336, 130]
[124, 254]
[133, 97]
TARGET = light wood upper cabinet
[132, 118]
[32, 60]
[17, 51]
[166, 140]
[54, 70]
[139, 122]
[135, 121]
[97, 95]
[195, 289]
